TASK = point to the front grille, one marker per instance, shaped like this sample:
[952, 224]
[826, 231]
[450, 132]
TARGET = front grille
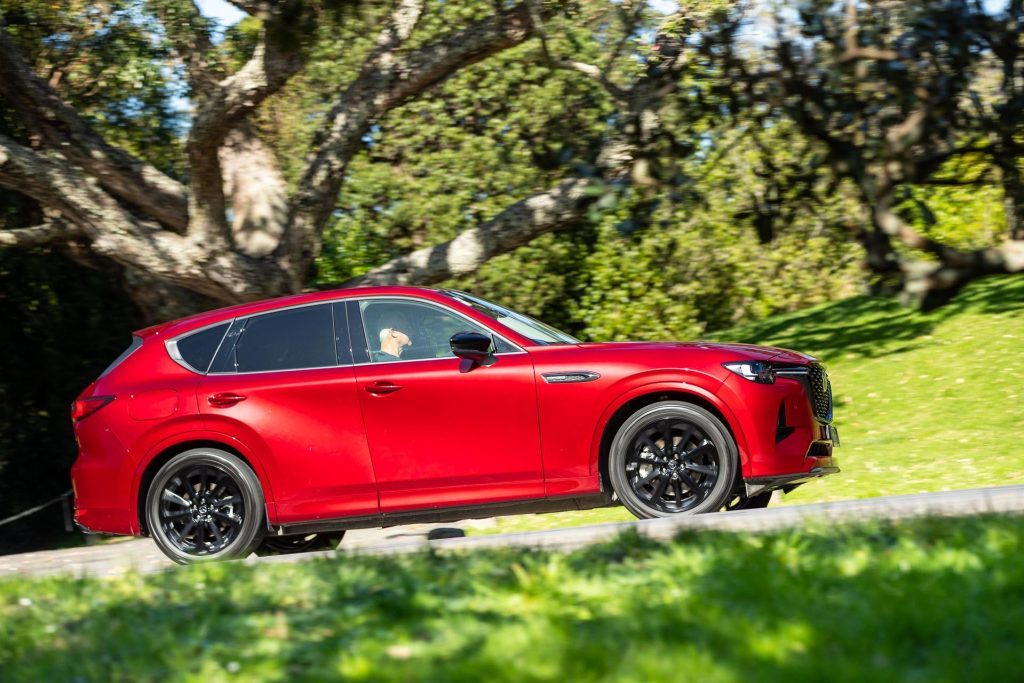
[821, 392]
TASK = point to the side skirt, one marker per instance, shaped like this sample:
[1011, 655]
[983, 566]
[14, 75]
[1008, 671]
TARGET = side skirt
[454, 514]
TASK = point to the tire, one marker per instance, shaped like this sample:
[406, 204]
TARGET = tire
[695, 475]
[205, 504]
[299, 543]
[741, 502]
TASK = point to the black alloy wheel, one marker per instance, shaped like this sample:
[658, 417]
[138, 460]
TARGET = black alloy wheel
[299, 543]
[672, 458]
[205, 504]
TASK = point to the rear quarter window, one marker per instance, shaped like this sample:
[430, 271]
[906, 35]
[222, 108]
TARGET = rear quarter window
[197, 349]
[290, 339]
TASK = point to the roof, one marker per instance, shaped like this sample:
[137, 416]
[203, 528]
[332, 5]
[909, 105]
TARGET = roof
[176, 327]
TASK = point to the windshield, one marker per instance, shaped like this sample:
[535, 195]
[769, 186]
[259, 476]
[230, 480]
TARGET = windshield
[535, 330]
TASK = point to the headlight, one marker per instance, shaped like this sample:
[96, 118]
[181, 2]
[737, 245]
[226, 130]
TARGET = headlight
[756, 371]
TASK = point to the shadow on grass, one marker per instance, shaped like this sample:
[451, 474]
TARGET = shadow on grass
[940, 600]
[877, 326]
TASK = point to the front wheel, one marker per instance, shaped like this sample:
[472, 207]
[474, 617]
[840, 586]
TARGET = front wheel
[672, 458]
[205, 504]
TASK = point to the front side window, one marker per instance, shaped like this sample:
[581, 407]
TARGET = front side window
[287, 340]
[535, 330]
[408, 330]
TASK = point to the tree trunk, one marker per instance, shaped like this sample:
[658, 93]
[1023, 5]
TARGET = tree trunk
[159, 300]
[1013, 198]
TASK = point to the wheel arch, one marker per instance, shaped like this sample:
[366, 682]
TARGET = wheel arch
[634, 402]
[165, 452]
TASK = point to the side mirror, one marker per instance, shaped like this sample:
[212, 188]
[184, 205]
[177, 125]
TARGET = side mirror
[472, 346]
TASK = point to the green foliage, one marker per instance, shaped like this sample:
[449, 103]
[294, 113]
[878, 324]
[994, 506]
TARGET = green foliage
[484, 139]
[969, 216]
[105, 62]
[932, 600]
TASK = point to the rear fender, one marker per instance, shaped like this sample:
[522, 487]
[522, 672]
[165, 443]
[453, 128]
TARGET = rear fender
[192, 436]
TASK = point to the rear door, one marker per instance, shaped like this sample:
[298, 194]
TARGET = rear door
[283, 383]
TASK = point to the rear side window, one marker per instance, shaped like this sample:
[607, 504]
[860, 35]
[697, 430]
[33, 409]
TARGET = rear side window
[136, 343]
[287, 340]
[198, 348]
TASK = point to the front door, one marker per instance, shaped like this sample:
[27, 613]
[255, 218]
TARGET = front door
[283, 384]
[442, 434]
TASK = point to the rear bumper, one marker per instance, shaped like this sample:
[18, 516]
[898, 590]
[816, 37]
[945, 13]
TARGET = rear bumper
[100, 479]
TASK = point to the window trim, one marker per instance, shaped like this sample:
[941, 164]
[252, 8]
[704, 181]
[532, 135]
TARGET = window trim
[172, 344]
[426, 302]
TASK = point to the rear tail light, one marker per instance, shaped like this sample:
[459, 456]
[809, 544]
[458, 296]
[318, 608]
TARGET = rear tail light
[84, 407]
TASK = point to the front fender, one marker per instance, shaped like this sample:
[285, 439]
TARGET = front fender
[696, 384]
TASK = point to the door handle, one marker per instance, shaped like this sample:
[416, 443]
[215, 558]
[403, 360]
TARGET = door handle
[225, 400]
[382, 388]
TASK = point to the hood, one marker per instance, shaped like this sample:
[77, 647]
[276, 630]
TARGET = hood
[740, 351]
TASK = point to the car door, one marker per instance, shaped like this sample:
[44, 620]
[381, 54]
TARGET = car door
[442, 433]
[284, 383]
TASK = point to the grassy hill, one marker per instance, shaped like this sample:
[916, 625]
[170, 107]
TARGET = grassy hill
[924, 402]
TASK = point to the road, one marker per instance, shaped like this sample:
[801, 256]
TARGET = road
[113, 559]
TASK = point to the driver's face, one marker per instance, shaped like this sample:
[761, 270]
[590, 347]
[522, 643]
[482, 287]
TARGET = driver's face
[401, 337]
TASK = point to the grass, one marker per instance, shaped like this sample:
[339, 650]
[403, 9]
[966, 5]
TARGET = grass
[930, 600]
[924, 402]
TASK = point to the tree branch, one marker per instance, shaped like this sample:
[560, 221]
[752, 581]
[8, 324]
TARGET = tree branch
[130, 179]
[852, 49]
[189, 33]
[227, 104]
[113, 232]
[256, 189]
[386, 80]
[54, 230]
[51, 181]
[934, 284]
[550, 211]
[591, 71]
[254, 7]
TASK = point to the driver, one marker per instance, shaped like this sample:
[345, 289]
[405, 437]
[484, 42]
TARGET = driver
[393, 340]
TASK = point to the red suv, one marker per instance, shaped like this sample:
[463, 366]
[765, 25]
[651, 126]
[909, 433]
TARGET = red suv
[275, 426]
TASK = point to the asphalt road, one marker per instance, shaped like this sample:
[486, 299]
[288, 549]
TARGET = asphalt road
[113, 559]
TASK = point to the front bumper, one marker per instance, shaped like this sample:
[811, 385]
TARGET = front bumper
[788, 482]
[780, 433]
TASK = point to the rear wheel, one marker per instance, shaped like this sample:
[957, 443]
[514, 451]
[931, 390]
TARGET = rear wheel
[205, 504]
[299, 543]
[672, 458]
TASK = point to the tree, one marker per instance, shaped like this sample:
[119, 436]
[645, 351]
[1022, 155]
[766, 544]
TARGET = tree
[178, 235]
[237, 229]
[893, 93]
